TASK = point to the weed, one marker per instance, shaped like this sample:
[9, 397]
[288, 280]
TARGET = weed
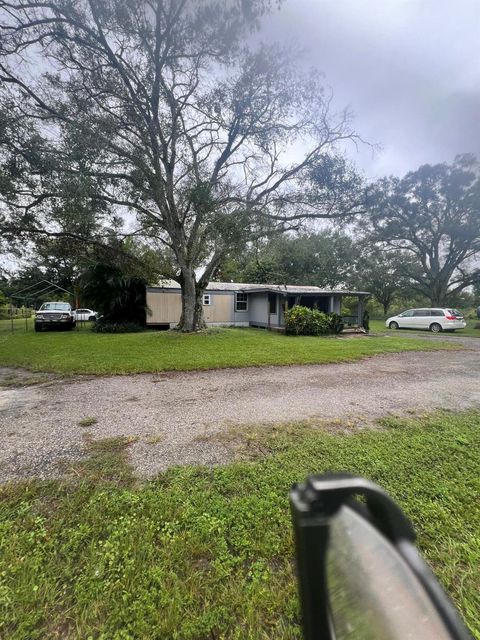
[154, 439]
[88, 421]
[106, 460]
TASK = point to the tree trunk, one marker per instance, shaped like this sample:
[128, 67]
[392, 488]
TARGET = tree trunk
[192, 303]
[198, 318]
[438, 295]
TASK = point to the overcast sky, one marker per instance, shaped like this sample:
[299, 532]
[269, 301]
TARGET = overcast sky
[409, 70]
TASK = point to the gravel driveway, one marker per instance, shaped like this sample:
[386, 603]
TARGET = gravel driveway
[176, 416]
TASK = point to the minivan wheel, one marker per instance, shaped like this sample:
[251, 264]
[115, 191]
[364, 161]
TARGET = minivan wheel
[435, 327]
[393, 325]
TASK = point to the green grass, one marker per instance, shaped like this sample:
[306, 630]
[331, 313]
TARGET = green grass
[88, 421]
[86, 352]
[207, 553]
[469, 331]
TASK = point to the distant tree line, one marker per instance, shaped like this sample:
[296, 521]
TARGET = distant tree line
[418, 242]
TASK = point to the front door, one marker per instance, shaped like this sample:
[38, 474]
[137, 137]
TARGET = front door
[405, 319]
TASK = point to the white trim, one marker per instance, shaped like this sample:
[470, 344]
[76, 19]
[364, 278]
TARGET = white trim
[245, 301]
[207, 296]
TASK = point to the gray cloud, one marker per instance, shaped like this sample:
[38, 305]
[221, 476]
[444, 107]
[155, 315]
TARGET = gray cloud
[409, 70]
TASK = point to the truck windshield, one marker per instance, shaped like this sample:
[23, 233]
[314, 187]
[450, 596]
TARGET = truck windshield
[55, 306]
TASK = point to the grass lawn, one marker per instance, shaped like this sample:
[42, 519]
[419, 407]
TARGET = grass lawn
[86, 352]
[207, 553]
[469, 331]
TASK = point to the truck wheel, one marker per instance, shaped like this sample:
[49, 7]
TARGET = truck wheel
[92, 318]
[38, 326]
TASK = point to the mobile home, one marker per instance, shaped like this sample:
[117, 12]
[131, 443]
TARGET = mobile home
[247, 305]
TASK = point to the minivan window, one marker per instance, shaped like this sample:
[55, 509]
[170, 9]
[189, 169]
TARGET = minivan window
[407, 314]
[421, 313]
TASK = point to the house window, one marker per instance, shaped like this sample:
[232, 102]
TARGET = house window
[207, 300]
[272, 303]
[241, 302]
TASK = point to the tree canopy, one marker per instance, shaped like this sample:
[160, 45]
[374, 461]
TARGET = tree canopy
[433, 216]
[161, 107]
[324, 259]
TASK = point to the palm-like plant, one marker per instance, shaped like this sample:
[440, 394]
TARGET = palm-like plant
[119, 298]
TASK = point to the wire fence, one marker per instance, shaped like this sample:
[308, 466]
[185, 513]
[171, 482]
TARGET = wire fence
[22, 319]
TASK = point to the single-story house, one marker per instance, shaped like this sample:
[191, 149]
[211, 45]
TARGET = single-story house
[247, 305]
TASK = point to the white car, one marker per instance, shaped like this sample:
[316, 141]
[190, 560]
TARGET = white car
[433, 319]
[83, 315]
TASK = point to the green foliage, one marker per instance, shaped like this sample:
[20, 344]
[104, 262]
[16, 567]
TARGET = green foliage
[383, 274]
[302, 321]
[86, 352]
[119, 297]
[336, 323]
[88, 421]
[432, 215]
[366, 321]
[208, 553]
[106, 461]
[176, 173]
[116, 327]
[324, 259]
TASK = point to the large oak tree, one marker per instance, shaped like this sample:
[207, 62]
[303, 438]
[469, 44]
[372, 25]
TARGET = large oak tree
[432, 215]
[159, 107]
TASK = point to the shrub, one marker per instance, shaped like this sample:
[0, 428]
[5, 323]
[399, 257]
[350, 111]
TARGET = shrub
[336, 323]
[366, 321]
[302, 321]
[117, 327]
[119, 297]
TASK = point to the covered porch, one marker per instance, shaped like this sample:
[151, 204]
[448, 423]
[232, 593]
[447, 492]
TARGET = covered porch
[328, 304]
[279, 299]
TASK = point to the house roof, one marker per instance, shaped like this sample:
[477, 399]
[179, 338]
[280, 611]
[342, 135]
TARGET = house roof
[258, 288]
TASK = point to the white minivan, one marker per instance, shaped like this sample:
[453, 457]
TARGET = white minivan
[433, 319]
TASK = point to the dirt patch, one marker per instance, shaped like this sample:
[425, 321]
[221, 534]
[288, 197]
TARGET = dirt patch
[13, 377]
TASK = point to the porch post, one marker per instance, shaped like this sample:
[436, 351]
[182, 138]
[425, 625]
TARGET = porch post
[360, 311]
[282, 309]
